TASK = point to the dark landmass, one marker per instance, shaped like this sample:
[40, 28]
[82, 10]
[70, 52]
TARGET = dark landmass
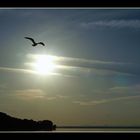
[8, 123]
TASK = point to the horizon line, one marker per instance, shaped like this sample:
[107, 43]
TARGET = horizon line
[97, 126]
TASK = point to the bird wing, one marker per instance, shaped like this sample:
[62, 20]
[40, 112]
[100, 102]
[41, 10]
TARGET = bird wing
[41, 43]
[30, 39]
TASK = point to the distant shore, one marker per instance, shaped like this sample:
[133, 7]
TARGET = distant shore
[9, 123]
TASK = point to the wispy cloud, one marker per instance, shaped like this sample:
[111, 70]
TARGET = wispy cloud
[29, 71]
[80, 66]
[32, 94]
[86, 65]
[116, 92]
[96, 102]
[134, 89]
[73, 67]
[115, 23]
[17, 70]
[29, 94]
[100, 67]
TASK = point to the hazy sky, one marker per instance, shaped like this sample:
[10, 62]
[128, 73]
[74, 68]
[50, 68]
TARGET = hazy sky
[97, 76]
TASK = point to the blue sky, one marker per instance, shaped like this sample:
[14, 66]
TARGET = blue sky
[97, 79]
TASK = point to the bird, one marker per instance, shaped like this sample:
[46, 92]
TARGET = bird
[34, 43]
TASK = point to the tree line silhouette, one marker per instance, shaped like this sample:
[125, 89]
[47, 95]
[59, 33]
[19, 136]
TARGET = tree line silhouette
[8, 123]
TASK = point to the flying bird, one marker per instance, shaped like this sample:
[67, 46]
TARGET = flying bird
[34, 43]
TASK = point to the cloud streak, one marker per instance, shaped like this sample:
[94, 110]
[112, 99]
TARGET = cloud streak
[29, 94]
[88, 64]
[17, 70]
[29, 71]
[35, 94]
[115, 23]
[96, 102]
[133, 89]
[75, 66]
[116, 93]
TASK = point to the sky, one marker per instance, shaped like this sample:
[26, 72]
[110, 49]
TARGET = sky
[88, 72]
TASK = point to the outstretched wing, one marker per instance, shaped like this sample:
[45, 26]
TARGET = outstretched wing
[30, 39]
[41, 43]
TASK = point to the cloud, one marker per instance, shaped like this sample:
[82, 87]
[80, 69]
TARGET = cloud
[86, 65]
[29, 71]
[100, 67]
[62, 96]
[81, 67]
[96, 102]
[17, 70]
[116, 91]
[31, 94]
[115, 23]
[133, 89]
[75, 67]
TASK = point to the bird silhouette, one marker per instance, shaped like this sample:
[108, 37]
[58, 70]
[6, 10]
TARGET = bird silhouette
[34, 43]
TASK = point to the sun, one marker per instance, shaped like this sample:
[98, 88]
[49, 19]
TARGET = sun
[44, 64]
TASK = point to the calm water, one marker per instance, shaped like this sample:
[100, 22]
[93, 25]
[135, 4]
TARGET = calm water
[97, 130]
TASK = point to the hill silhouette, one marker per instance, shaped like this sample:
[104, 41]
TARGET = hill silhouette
[9, 123]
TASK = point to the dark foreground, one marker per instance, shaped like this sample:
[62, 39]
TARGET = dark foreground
[8, 123]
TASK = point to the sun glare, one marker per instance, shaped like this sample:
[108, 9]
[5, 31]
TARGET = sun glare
[44, 64]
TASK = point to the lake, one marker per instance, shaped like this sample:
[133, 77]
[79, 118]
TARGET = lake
[97, 129]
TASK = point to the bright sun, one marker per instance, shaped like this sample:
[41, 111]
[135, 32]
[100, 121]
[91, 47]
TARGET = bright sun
[44, 64]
